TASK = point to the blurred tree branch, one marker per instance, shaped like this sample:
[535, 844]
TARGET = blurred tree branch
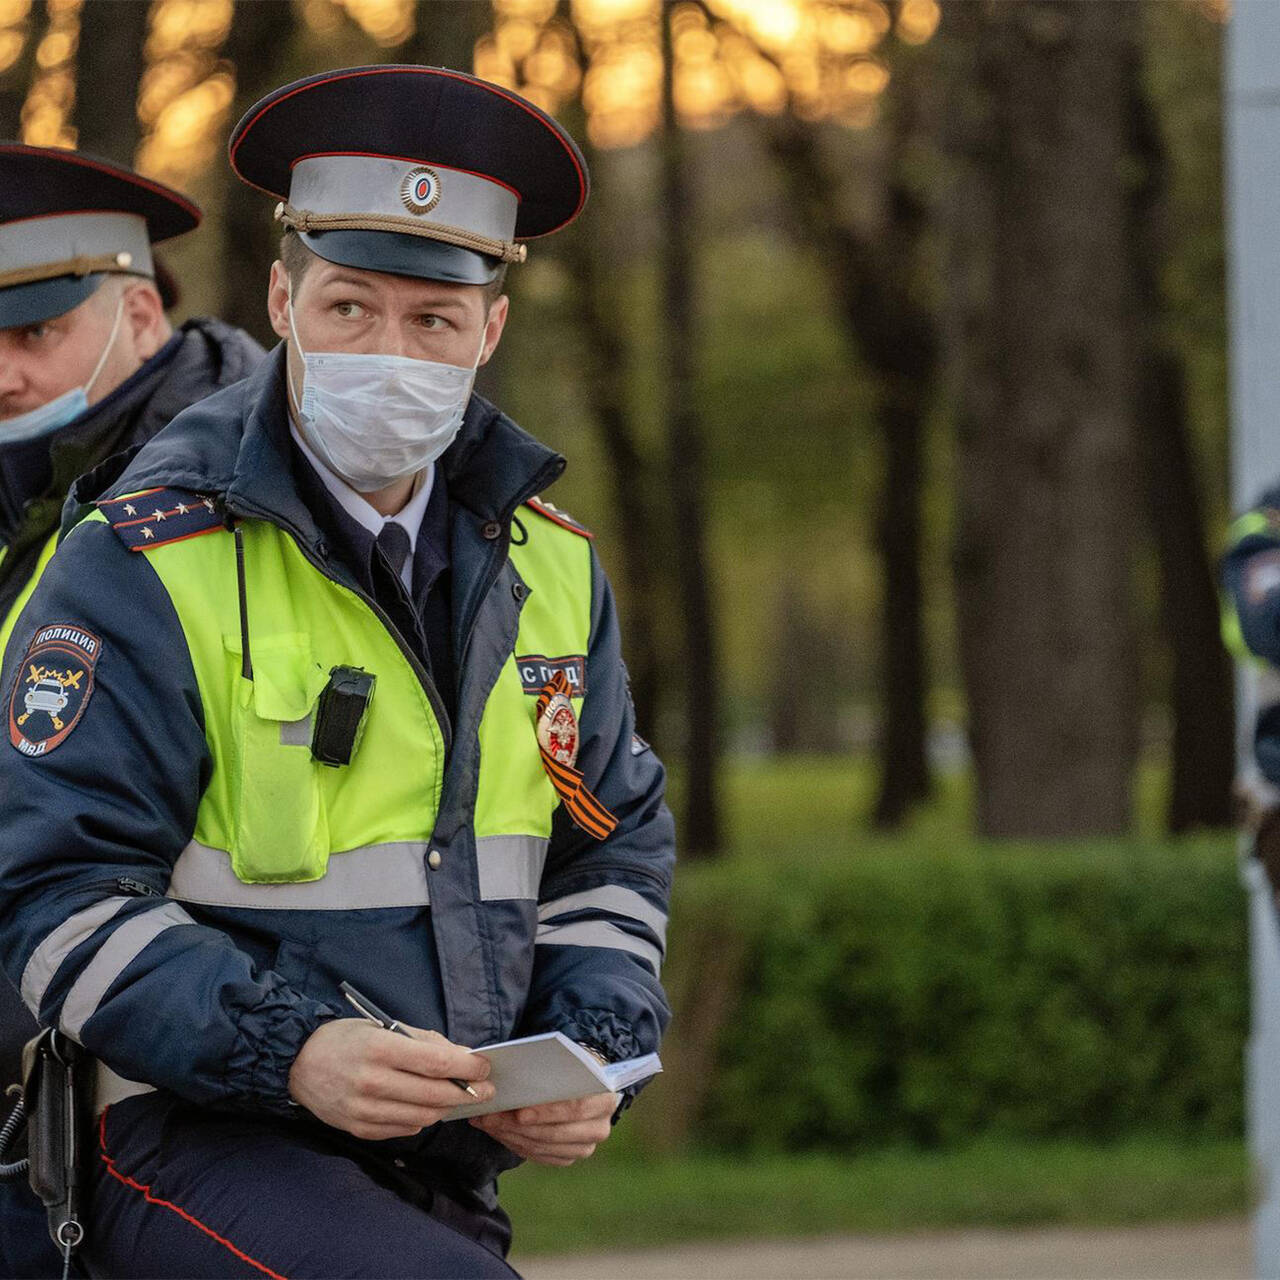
[686, 481]
[875, 277]
[1201, 693]
[16, 81]
[630, 474]
[445, 33]
[258, 46]
[110, 60]
[597, 307]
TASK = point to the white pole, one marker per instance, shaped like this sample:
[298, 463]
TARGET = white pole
[1252, 190]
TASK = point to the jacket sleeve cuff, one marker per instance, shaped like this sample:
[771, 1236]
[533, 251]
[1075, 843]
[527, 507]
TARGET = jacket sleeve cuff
[610, 1037]
[602, 1031]
[270, 1038]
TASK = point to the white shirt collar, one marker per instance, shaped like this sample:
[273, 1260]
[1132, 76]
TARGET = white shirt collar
[409, 517]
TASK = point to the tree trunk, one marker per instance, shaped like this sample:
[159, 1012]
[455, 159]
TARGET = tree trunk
[1202, 692]
[260, 31]
[893, 331]
[629, 472]
[109, 65]
[446, 33]
[686, 481]
[15, 83]
[1042, 336]
[903, 737]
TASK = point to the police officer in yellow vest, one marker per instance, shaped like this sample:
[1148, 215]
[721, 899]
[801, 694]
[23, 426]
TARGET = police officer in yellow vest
[89, 366]
[318, 690]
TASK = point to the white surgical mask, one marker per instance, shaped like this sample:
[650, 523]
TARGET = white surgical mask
[374, 419]
[59, 411]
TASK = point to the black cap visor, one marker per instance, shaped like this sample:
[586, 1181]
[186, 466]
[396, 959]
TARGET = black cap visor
[397, 254]
[24, 304]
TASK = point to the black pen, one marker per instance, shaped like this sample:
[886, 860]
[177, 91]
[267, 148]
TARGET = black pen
[367, 1009]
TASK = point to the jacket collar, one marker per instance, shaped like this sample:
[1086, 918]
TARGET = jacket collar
[234, 445]
[39, 472]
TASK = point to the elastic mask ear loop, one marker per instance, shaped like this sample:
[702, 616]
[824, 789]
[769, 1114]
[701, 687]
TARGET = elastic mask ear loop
[102, 359]
[297, 342]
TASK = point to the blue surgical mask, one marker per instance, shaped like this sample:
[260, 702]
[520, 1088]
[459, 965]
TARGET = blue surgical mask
[58, 412]
[46, 419]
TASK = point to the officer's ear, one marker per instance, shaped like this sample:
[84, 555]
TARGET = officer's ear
[278, 299]
[145, 324]
[494, 325]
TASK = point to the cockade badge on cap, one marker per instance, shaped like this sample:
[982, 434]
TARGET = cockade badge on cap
[420, 190]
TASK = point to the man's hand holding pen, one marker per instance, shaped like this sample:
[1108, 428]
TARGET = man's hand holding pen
[375, 1083]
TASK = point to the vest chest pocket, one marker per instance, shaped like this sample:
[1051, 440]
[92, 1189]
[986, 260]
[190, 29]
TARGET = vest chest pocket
[279, 828]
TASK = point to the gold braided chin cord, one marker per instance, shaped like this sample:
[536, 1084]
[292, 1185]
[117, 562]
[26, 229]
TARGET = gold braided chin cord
[68, 267]
[304, 220]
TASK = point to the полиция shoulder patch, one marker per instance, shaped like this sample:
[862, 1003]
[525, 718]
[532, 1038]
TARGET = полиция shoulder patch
[53, 688]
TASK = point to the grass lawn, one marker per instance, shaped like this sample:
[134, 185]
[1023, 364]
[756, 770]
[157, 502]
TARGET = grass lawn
[627, 1202]
[807, 806]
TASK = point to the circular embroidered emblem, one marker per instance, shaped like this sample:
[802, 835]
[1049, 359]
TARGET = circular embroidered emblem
[53, 688]
[420, 190]
[558, 730]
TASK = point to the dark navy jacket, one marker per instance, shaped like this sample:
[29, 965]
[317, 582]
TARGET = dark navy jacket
[215, 1011]
[202, 357]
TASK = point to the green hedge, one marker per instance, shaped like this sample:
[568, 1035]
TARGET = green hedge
[1085, 992]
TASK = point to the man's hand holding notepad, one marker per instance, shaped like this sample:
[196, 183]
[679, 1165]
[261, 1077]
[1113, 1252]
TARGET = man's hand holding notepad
[551, 1068]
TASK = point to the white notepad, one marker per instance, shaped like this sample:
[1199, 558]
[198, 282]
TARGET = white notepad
[550, 1068]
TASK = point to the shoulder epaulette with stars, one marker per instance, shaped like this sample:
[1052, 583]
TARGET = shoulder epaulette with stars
[157, 517]
[556, 516]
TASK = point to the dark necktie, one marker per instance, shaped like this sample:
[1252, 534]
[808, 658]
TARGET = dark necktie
[393, 542]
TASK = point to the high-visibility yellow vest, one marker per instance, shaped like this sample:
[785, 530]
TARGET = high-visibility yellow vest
[278, 814]
[20, 602]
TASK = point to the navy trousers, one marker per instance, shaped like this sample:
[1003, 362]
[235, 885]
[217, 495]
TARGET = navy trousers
[177, 1191]
[26, 1251]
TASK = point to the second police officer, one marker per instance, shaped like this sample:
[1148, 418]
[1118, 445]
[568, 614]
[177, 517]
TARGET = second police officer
[89, 366]
[321, 691]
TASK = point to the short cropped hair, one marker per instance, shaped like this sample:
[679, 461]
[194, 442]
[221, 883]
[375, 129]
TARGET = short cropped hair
[297, 258]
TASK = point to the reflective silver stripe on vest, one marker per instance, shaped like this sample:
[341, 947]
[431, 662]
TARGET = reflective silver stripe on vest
[296, 733]
[47, 958]
[376, 875]
[510, 866]
[116, 954]
[614, 899]
[597, 933]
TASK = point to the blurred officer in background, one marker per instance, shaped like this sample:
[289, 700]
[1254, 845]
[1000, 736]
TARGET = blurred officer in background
[89, 366]
[319, 690]
[1251, 627]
